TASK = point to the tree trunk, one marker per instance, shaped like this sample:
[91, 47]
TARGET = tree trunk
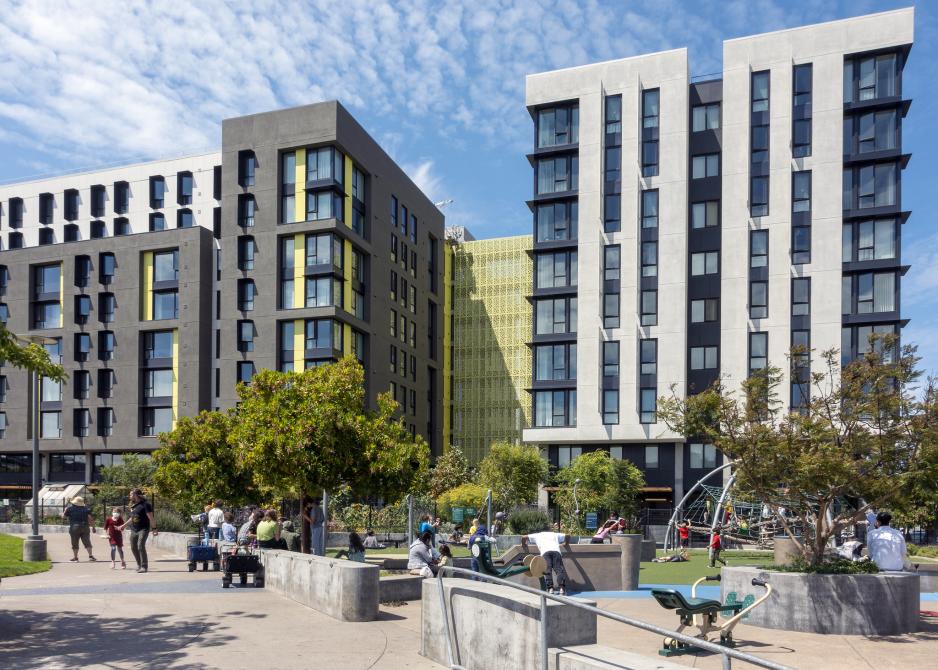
[304, 526]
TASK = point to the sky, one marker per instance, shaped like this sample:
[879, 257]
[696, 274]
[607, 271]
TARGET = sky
[439, 84]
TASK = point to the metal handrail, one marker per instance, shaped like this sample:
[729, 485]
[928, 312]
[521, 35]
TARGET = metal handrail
[727, 653]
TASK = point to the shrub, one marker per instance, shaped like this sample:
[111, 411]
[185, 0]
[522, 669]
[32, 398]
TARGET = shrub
[171, 522]
[830, 566]
[467, 495]
[928, 552]
[526, 521]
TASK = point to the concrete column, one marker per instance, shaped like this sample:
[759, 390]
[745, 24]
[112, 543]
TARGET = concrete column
[631, 557]
[89, 468]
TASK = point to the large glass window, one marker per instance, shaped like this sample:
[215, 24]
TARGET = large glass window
[703, 456]
[50, 426]
[705, 310]
[166, 266]
[611, 358]
[158, 344]
[554, 408]
[288, 188]
[705, 117]
[759, 248]
[556, 270]
[870, 77]
[801, 110]
[649, 259]
[800, 296]
[555, 315]
[246, 251]
[759, 196]
[869, 292]
[758, 300]
[801, 191]
[650, 208]
[705, 214]
[558, 126]
[870, 186]
[610, 406]
[648, 405]
[611, 262]
[165, 305]
[554, 361]
[613, 119]
[707, 165]
[245, 336]
[556, 221]
[648, 357]
[157, 420]
[323, 292]
[246, 293]
[323, 205]
[557, 174]
[324, 163]
[758, 351]
[611, 308]
[869, 240]
[612, 213]
[48, 278]
[158, 384]
[323, 249]
[704, 358]
[705, 263]
[649, 307]
[875, 131]
[760, 91]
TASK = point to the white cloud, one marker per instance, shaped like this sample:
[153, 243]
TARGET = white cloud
[428, 181]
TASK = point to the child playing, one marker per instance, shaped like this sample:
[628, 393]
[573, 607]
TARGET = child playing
[446, 555]
[683, 531]
[716, 545]
[228, 531]
[115, 537]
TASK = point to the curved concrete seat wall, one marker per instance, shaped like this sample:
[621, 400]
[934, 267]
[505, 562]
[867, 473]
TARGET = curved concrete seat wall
[345, 590]
[880, 604]
[593, 567]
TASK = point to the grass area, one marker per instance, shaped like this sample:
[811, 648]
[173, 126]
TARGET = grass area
[11, 559]
[697, 566]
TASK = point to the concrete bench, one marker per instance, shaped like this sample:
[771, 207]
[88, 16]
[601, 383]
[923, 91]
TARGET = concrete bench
[397, 588]
[599, 657]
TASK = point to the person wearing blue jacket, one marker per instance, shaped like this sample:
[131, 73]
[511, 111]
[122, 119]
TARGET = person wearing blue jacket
[480, 534]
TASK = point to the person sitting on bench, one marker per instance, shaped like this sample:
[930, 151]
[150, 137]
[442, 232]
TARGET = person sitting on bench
[548, 543]
[420, 560]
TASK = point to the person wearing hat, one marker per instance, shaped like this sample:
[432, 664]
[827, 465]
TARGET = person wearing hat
[80, 526]
[289, 537]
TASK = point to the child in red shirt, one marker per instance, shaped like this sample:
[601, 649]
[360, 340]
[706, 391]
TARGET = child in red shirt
[115, 537]
[716, 545]
[683, 531]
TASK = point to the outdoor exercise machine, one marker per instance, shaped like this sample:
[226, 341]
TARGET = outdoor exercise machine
[703, 613]
[532, 565]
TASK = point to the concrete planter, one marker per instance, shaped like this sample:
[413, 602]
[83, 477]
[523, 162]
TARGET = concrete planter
[880, 604]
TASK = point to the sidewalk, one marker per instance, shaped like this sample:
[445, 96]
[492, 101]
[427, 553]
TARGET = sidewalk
[85, 615]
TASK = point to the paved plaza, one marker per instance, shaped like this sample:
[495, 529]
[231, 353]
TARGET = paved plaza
[86, 615]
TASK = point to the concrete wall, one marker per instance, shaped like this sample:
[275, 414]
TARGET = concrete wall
[590, 567]
[345, 590]
[496, 626]
[590, 656]
[880, 604]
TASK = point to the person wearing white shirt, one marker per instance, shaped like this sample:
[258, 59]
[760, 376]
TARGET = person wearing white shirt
[885, 544]
[548, 544]
[216, 517]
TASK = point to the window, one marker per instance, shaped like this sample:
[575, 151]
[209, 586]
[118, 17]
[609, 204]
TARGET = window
[758, 300]
[158, 344]
[71, 232]
[15, 241]
[801, 111]
[121, 197]
[611, 261]
[649, 259]
[246, 292]
[554, 408]
[801, 191]
[612, 213]
[323, 205]
[759, 196]
[705, 117]
[554, 361]
[758, 351]
[760, 91]
[323, 292]
[247, 163]
[759, 248]
[412, 295]
[869, 240]
[871, 77]
[81, 419]
[555, 315]
[557, 174]
[648, 405]
[184, 188]
[46, 236]
[184, 218]
[157, 222]
[855, 342]
[71, 204]
[613, 119]
[650, 208]
[566, 455]
[46, 208]
[611, 358]
[869, 293]
[648, 357]
[324, 249]
[47, 315]
[875, 131]
[558, 126]
[610, 310]
[403, 220]
[556, 221]
[650, 111]
[705, 263]
[82, 346]
[50, 426]
[106, 343]
[358, 184]
[165, 305]
[5, 275]
[51, 391]
[245, 336]
[157, 420]
[649, 313]
[4, 313]
[703, 358]
[324, 163]
[800, 296]
[166, 266]
[705, 214]
[82, 308]
[245, 371]
[610, 407]
[651, 456]
[556, 270]
[246, 208]
[99, 229]
[707, 165]
[394, 211]
[98, 199]
[246, 251]
[288, 187]
[121, 227]
[105, 421]
[157, 192]
[650, 108]
[703, 456]
[54, 349]
[613, 169]
[158, 384]
[870, 186]
[392, 359]
[322, 334]
[706, 310]
[107, 267]
[81, 382]
[47, 311]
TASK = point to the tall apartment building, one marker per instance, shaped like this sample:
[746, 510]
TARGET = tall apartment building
[690, 230]
[492, 319]
[160, 285]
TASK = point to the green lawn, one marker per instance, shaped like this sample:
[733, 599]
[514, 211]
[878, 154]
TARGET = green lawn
[697, 567]
[11, 559]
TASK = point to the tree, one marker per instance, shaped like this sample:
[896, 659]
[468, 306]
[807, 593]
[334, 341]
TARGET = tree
[464, 495]
[863, 435]
[513, 472]
[133, 471]
[605, 485]
[29, 356]
[197, 463]
[450, 470]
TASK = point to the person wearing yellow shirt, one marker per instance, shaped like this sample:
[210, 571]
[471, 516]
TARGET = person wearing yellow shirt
[268, 531]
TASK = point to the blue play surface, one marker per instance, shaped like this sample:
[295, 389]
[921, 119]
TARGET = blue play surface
[712, 592]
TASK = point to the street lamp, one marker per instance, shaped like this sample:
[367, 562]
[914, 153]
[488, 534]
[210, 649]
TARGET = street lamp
[34, 548]
[576, 502]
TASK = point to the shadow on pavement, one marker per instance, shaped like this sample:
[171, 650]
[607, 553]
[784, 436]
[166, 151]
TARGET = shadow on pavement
[31, 640]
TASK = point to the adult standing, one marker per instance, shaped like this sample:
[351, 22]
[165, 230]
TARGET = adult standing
[216, 518]
[141, 524]
[548, 543]
[885, 544]
[315, 517]
[80, 526]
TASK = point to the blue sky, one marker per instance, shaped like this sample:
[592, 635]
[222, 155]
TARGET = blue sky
[439, 84]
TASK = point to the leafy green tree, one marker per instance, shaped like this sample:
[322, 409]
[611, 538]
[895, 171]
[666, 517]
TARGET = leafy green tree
[867, 433]
[513, 472]
[624, 497]
[450, 470]
[197, 463]
[464, 495]
[605, 485]
[25, 355]
[133, 471]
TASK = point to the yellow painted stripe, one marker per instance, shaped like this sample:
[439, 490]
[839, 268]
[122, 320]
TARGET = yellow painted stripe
[346, 340]
[299, 200]
[348, 192]
[299, 271]
[447, 338]
[347, 273]
[146, 288]
[299, 345]
[175, 375]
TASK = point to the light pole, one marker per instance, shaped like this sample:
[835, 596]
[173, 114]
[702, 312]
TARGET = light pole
[576, 502]
[34, 548]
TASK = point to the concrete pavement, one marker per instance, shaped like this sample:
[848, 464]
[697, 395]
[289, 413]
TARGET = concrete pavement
[85, 615]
